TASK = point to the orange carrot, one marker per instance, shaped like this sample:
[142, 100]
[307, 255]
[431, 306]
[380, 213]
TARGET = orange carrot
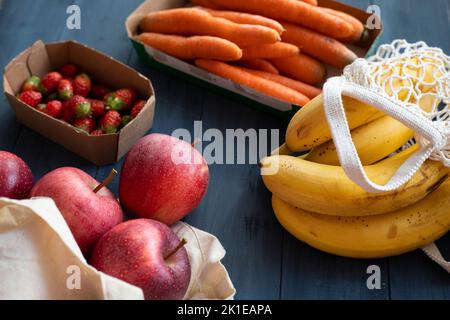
[205, 3]
[193, 47]
[311, 2]
[191, 21]
[267, 87]
[308, 90]
[319, 46]
[358, 26]
[301, 67]
[259, 64]
[246, 18]
[292, 11]
[270, 51]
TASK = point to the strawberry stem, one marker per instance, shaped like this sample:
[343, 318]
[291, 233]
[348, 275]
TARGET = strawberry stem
[106, 181]
[178, 247]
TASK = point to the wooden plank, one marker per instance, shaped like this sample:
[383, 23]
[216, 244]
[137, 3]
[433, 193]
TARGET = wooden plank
[414, 276]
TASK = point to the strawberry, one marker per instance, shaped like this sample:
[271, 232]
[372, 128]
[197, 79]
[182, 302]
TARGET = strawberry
[99, 91]
[69, 70]
[49, 82]
[67, 113]
[97, 132]
[86, 124]
[32, 84]
[54, 108]
[122, 99]
[65, 89]
[31, 98]
[82, 85]
[125, 120]
[110, 122]
[98, 108]
[138, 106]
[80, 106]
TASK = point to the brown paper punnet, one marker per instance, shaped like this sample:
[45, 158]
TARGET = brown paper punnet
[41, 58]
[188, 71]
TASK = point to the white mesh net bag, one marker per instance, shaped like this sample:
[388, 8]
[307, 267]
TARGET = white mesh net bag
[409, 82]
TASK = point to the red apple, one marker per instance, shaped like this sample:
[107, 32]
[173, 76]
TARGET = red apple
[147, 254]
[162, 178]
[88, 207]
[16, 179]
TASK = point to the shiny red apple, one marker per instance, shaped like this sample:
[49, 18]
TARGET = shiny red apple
[162, 178]
[147, 254]
[88, 207]
[16, 179]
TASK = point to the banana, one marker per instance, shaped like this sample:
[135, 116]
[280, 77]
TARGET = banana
[309, 127]
[327, 190]
[370, 237]
[373, 141]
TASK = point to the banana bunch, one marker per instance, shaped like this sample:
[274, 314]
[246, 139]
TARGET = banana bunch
[316, 202]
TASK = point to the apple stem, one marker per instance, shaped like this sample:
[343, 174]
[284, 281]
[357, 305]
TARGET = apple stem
[106, 181]
[178, 247]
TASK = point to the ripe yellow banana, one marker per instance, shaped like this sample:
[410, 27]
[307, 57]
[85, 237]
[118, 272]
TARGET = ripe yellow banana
[370, 237]
[327, 189]
[374, 141]
[309, 127]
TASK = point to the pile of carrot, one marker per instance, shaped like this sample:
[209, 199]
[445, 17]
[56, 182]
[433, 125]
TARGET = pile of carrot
[277, 47]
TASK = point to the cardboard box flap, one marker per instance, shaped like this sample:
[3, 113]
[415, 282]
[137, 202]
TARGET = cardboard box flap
[14, 77]
[38, 60]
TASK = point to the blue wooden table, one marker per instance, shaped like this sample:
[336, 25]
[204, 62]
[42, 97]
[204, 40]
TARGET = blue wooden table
[263, 260]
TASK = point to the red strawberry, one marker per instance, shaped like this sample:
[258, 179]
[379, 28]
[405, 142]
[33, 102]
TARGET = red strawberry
[50, 81]
[32, 84]
[31, 98]
[122, 99]
[98, 108]
[80, 106]
[65, 89]
[82, 85]
[54, 108]
[110, 122]
[69, 70]
[138, 106]
[97, 132]
[67, 113]
[86, 124]
[99, 91]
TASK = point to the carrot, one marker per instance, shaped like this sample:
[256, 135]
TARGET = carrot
[259, 64]
[267, 87]
[246, 18]
[191, 21]
[311, 2]
[319, 46]
[193, 47]
[206, 4]
[308, 90]
[270, 51]
[292, 11]
[301, 67]
[358, 26]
